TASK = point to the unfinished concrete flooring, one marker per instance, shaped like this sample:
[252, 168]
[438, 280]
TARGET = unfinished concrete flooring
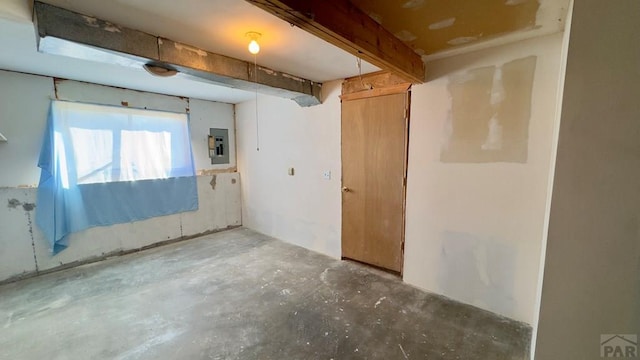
[241, 295]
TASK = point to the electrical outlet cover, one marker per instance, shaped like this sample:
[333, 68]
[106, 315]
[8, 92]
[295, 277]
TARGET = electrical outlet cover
[326, 175]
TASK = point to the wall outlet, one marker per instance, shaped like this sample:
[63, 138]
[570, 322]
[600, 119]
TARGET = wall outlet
[326, 175]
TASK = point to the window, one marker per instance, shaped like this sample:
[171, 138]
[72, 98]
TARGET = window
[104, 165]
[99, 144]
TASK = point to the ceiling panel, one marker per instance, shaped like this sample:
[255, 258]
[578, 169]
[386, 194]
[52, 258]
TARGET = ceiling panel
[433, 26]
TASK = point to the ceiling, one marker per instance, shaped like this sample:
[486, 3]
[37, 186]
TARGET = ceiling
[433, 28]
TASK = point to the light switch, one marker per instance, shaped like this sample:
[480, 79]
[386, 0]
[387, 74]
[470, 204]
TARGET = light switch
[326, 175]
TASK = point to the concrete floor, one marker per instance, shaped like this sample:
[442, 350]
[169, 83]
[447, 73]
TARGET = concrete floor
[241, 295]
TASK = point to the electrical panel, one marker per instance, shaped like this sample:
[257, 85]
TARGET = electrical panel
[219, 146]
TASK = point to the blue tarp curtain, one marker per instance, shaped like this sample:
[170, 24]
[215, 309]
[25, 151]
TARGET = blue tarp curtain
[103, 165]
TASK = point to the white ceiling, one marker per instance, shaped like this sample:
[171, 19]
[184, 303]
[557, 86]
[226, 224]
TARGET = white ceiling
[18, 39]
[218, 26]
[215, 25]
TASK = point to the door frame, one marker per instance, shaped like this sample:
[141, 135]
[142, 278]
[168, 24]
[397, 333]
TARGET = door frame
[370, 86]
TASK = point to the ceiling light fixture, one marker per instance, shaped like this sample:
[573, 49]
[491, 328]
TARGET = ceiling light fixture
[160, 71]
[253, 47]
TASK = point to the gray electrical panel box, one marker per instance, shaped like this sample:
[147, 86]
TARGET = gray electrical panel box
[219, 146]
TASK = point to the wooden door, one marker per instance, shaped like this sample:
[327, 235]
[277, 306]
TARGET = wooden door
[374, 158]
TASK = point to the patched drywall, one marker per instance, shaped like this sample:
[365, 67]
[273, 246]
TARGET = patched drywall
[490, 111]
[16, 241]
[475, 266]
[474, 229]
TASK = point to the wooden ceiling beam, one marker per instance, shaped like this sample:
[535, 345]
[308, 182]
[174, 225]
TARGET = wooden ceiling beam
[342, 24]
[66, 33]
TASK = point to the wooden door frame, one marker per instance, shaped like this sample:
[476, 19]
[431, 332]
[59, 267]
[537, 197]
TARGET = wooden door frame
[375, 85]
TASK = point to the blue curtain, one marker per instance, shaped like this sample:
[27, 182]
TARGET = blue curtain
[104, 165]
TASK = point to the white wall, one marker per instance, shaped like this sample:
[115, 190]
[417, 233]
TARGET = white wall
[24, 107]
[24, 104]
[474, 230]
[24, 250]
[208, 114]
[592, 271]
[303, 209]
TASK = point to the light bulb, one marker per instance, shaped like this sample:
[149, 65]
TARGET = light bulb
[254, 47]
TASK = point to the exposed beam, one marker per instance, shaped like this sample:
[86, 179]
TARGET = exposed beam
[63, 32]
[342, 24]
[373, 84]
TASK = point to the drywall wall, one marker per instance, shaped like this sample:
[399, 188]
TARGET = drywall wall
[474, 228]
[591, 285]
[475, 216]
[24, 104]
[303, 209]
[24, 107]
[203, 116]
[25, 99]
[496, 121]
[24, 250]
[554, 151]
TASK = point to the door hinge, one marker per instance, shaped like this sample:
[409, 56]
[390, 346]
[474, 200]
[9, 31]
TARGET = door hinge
[404, 181]
[402, 247]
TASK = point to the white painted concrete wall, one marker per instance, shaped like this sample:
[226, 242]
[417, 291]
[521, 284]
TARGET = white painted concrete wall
[490, 214]
[591, 281]
[303, 209]
[24, 103]
[474, 230]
